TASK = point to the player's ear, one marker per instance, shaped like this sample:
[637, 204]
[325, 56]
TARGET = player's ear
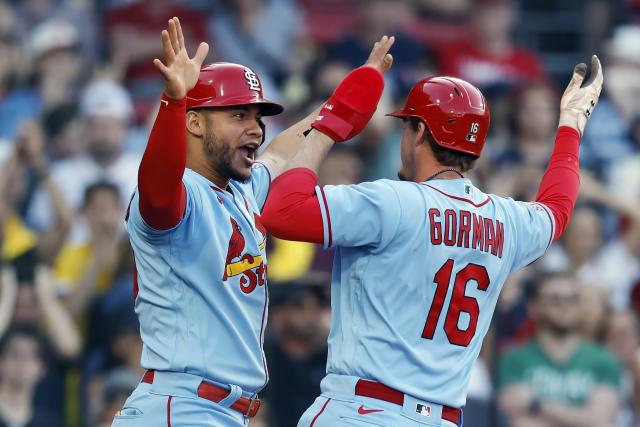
[195, 123]
[421, 134]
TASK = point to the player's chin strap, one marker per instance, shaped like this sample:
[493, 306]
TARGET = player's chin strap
[443, 171]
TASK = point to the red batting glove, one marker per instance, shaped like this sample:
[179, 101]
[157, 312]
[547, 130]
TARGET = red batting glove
[352, 104]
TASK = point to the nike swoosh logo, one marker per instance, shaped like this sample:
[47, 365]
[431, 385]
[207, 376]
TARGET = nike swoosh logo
[363, 411]
[165, 102]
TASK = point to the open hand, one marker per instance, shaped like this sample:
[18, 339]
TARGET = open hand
[580, 97]
[179, 71]
[380, 57]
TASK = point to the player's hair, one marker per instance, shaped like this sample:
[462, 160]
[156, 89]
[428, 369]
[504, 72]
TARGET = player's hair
[98, 186]
[445, 156]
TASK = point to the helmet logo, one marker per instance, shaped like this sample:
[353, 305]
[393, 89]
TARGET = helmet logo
[252, 80]
[472, 136]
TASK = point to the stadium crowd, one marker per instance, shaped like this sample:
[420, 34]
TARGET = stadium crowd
[78, 92]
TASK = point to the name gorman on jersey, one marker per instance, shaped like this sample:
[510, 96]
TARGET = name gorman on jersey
[466, 230]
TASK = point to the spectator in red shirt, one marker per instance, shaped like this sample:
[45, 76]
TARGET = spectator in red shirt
[132, 34]
[489, 58]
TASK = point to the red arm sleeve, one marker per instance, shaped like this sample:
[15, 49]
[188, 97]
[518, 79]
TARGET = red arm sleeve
[292, 210]
[162, 194]
[561, 181]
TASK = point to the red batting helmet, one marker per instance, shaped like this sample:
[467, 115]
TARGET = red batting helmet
[455, 112]
[224, 84]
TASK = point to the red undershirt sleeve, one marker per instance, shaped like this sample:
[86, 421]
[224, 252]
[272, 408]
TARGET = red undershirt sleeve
[162, 194]
[561, 181]
[292, 210]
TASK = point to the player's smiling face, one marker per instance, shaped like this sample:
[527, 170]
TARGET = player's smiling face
[231, 140]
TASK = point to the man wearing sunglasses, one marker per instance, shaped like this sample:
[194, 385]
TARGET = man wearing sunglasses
[558, 378]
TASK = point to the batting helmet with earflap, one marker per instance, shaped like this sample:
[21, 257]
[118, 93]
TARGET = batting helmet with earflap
[455, 112]
[225, 84]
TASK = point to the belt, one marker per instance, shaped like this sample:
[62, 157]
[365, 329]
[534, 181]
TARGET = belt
[247, 407]
[380, 391]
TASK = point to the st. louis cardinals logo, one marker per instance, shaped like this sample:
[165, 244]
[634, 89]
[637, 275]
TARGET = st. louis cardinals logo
[250, 268]
[252, 80]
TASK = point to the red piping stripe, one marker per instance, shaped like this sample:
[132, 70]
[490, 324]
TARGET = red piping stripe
[544, 208]
[135, 280]
[326, 209]
[169, 411]
[259, 163]
[264, 361]
[318, 414]
[462, 199]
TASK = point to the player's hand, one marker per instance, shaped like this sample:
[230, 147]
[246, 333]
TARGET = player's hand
[179, 71]
[380, 57]
[581, 96]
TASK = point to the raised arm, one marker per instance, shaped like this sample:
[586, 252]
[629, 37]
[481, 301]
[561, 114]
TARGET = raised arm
[162, 194]
[292, 195]
[284, 146]
[559, 186]
[30, 153]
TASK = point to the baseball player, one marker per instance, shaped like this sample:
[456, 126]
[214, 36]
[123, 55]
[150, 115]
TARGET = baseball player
[420, 262]
[194, 224]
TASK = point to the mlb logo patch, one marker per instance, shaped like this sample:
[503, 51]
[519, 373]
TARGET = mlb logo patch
[424, 410]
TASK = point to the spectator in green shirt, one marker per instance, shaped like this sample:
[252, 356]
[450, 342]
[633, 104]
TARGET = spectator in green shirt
[558, 379]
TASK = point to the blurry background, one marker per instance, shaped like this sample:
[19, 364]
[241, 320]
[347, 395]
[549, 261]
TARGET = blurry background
[78, 93]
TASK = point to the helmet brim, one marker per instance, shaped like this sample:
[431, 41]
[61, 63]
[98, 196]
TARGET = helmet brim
[267, 108]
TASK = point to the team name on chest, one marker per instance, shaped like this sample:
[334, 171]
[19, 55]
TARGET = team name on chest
[466, 230]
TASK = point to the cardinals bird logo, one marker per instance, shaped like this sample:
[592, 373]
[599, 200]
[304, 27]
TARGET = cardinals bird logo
[250, 268]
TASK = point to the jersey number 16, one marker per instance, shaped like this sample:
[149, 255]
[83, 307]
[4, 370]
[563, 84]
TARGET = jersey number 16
[460, 303]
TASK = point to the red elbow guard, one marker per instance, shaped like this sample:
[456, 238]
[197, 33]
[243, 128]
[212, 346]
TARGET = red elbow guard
[352, 104]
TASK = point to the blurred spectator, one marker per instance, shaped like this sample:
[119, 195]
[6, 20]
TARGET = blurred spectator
[624, 176]
[297, 349]
[116, 386]
[64, 131]
[57, 61]
[132, 32]
[341, 167]
[31, 13]
[489, 58]
[329, 20]
[119, 364]
[32, 300]
[595, 301]
[613, 266]
[608, 138]
[22, 366]
[377, 18]
[557, 378]
[436, 22]
[245, 32]
[106, 108]
[35, 302]
[28, 156]
[57, 66]
[87, 269]
[623, 340]
[517, 170]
